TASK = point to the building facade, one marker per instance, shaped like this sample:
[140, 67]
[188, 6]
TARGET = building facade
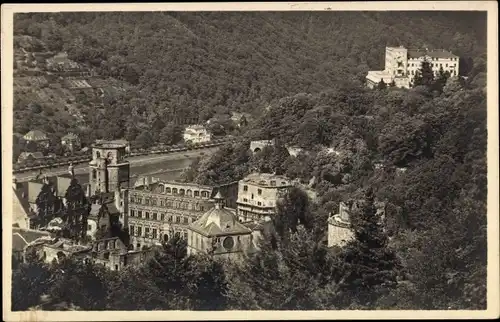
[109, 171]
[402, 64]
[71, 142]
[196, 134]
[159, 210]
[339, 225]
[112, 253]
[258, 194]
[257, 146]
[118, 141]
[219, 233]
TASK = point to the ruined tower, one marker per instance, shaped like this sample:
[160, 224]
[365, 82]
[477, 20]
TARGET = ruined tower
[108, 170]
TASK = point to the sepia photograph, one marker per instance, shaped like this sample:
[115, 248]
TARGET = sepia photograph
[210, 159]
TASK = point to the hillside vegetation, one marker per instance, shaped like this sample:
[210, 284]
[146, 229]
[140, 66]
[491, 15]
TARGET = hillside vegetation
[188, 67]
[421, 151]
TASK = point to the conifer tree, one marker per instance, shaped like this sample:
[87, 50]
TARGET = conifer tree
[424, 76]
[370, 267]
[381, 85]
[292, 211]
[441, 80]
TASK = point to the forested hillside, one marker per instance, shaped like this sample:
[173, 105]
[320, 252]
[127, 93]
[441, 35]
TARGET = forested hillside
[185, 67]
[421, 151]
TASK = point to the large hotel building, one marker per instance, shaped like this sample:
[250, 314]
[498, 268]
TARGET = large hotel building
[402, 64]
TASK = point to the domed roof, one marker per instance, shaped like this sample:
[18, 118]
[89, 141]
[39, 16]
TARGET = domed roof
[35, 135]
[219, 221]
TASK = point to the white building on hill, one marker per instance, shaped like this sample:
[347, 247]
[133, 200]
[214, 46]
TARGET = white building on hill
[401, 65]
[196, 134]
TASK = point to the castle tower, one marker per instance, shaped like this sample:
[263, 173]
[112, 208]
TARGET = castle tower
[396, 61]
[339, 226]
[108, 170]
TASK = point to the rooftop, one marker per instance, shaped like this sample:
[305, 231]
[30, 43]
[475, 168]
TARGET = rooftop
[154, 185]
[435, 53]
[108, 145]
[196, 127]
[67, 245]
[70, 136]
[377, 75]
[23, 237]
[267, 180]
[35, 135]
[36, 155]
[219, 221]
[118, 141]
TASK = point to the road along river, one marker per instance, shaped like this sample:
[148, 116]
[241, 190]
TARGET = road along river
[165, 166]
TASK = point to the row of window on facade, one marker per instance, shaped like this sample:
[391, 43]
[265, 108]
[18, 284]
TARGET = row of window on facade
[168, 204]
[247, 216]
[184, 192]
[160, 216]
[258, 202]
[259, 191]
[432, 65]
[153, 233]
[436, 58]
[454, 72]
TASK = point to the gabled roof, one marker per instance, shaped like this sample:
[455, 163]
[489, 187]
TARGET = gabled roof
[110, 206]
[36, 155]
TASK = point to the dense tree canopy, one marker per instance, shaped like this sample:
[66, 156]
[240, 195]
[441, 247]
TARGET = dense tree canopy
[422, 151]
[160, 68]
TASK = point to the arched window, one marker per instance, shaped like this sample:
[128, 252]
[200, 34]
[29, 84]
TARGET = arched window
[162, 188]
[98, 154]
[196, 193]
[168, 190]
[94, 174]
[204, 194]
[189, 193]
[174, 191]
[182, 192]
